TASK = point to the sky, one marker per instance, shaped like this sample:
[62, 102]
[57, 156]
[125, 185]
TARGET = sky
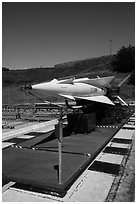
[42, 34]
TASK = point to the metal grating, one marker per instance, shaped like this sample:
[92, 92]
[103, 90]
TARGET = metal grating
[116, 150]
[131, 120]
[105, 167]
[128, 128]
[123, 141]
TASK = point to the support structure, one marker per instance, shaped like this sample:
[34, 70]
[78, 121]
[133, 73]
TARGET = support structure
[59, 135]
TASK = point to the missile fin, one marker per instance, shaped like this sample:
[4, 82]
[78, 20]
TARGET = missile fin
[100, 99]
[67, 96]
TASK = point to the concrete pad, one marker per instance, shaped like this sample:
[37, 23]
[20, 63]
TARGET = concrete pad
[111, 158]
[12, 195]
[124, 134]
[94, 188]
[7, 186]
[45, 129]
[20, 126]
[132, 118]
[6, 144]
[119, 145]
[16, 132]
[25, 137]
[15, 122]
[131, 123]
[128, 126]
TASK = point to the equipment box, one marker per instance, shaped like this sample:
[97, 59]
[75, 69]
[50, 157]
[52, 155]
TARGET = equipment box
[81, 123]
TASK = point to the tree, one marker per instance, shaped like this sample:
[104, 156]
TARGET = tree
[5, 69]
[124, 60]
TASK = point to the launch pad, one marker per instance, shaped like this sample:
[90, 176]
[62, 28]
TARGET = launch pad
[33, 164]
[39, 169]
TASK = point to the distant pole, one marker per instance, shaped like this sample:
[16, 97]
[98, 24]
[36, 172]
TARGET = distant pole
[110, 47]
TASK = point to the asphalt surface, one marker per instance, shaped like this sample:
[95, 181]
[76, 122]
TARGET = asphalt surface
[39, 167]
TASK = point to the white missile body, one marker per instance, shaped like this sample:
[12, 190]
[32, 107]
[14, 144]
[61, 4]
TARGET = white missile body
[77, 89]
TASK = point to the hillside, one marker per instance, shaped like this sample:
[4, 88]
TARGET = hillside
[35, 75]
[13, 79]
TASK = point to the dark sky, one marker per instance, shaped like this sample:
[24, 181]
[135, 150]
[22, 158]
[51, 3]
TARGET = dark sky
[45, 34]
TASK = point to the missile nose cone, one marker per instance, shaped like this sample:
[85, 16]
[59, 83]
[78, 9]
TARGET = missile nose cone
[42, 86]
[36, 86]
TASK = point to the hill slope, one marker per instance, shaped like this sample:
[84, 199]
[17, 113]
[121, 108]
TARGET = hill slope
[35, 75]
[13, 79]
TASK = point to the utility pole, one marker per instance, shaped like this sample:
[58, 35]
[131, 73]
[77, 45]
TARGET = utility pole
[110, 47]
